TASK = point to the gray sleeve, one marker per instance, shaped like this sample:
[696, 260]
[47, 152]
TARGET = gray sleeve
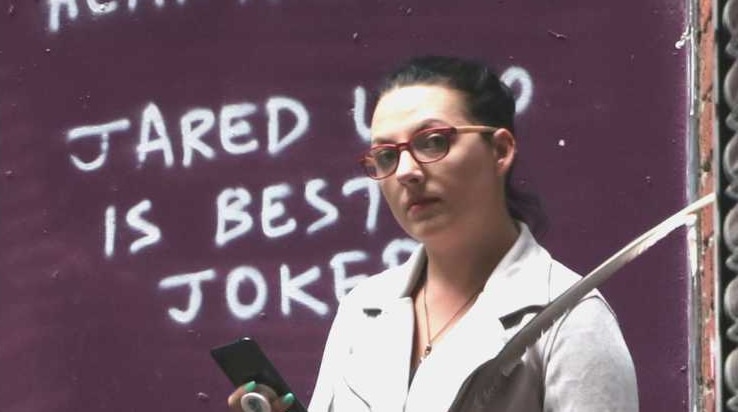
[588, 366]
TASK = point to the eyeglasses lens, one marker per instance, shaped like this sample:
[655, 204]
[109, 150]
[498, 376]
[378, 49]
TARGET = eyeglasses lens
[425, 147]
[381, 161]
[431, 146]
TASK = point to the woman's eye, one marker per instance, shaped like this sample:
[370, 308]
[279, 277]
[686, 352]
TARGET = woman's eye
[385, 158]
[434, 142]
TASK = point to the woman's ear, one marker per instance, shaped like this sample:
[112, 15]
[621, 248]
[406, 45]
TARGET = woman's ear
[503, 143]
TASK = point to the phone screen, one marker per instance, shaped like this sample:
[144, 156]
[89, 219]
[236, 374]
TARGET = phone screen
[243, 361]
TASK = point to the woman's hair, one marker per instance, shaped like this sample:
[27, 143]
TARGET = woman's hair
[488, 101]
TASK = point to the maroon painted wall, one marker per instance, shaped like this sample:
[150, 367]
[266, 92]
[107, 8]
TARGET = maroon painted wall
[226, 200]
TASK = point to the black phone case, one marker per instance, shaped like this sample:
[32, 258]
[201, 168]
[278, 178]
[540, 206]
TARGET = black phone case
[243, 361]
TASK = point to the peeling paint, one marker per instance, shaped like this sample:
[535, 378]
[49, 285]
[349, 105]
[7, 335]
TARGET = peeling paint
[558, 35]
[684, 38]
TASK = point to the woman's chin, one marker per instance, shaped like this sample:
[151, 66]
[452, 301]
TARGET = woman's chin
[428, 230]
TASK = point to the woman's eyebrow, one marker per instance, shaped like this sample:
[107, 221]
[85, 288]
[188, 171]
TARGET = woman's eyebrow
[380, 140]
[430, 123]
[423, 125]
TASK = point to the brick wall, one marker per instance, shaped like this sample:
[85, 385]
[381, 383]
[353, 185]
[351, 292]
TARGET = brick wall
[705, 116]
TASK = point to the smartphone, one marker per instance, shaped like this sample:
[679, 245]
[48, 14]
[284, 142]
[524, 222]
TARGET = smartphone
[243, 361]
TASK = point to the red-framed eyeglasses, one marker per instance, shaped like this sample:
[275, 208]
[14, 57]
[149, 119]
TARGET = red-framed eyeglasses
[425, 146]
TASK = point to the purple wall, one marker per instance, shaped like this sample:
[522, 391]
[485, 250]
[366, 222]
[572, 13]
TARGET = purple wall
[105, 247]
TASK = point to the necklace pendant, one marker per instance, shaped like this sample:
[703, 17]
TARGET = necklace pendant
[427, 351]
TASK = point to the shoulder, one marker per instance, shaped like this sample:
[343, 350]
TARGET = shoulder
[392, 283]
[592, 315]
[586, 355]
[562, 278]
[377, 288]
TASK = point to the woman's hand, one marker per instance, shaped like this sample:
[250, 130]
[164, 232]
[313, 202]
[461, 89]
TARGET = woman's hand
[279, 404]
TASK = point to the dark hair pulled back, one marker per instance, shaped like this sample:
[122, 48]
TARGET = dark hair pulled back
[488, 102]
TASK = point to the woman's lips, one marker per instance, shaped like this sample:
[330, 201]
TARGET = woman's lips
[419, 204]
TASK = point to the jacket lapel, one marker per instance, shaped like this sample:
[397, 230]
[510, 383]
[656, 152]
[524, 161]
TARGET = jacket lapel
[518, 282]
[380, 360]
[521, 279]
[464, 347]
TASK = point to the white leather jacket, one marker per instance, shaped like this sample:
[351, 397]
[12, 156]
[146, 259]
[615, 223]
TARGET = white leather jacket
[580, 364]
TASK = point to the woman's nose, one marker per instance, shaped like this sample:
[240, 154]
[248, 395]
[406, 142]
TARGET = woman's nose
[408, 169]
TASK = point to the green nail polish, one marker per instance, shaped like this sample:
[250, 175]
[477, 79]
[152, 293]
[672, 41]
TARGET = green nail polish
[249, 387]
[288, 399]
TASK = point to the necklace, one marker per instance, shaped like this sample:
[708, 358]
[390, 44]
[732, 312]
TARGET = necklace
[429, 345]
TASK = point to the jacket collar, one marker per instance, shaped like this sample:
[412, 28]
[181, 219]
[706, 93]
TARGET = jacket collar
[520, 279]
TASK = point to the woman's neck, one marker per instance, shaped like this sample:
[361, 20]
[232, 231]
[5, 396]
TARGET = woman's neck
[459, 268]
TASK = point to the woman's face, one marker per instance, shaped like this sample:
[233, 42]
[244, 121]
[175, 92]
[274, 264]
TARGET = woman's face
[457, 198]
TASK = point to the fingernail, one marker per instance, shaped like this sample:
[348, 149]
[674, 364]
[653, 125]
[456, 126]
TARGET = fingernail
[249, 387]
[288, 399]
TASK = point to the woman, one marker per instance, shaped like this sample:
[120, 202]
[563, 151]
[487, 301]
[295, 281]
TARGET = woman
[406, 339]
